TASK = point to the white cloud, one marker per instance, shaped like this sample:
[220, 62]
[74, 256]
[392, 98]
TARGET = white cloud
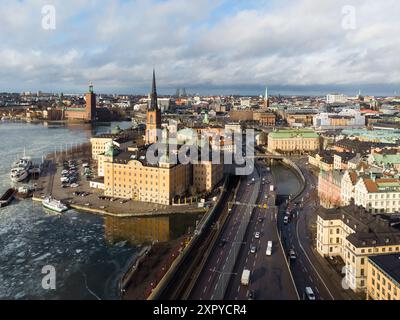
[195, 43]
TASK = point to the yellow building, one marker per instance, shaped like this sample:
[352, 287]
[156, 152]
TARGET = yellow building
[129, 175]
[293, 141]
[355, 235]
[383, 277]
[206, 175]
[122, 139]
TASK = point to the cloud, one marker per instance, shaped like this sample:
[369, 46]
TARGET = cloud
[199, 43]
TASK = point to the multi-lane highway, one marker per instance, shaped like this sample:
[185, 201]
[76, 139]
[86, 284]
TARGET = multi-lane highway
[270, 277]
[206, 284]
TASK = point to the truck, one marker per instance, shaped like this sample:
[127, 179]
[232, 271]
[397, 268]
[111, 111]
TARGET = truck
[245, 277]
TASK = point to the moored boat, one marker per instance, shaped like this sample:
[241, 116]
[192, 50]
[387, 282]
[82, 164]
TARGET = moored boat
[54, 205]
[7, 197]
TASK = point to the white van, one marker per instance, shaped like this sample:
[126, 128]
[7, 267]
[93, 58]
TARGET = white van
[269, 244]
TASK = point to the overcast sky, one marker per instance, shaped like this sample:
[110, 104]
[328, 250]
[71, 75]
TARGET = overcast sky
[207, 46]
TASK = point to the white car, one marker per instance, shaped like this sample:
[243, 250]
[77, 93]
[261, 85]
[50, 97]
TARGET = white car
[257, 235]
[310, 294]
[268, 252]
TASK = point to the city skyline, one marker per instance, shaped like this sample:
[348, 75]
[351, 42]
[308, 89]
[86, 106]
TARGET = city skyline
[219, 47]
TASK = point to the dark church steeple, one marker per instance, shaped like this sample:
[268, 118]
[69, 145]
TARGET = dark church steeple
[153, 96]
[153, 117]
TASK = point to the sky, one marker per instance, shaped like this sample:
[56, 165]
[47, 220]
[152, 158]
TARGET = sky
[205, 46]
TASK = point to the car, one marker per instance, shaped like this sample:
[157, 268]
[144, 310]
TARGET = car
[253, 249]
[292, 254]
[250, 295]
[309, 293]
[222, 243]
[286, 220]
[257, 235]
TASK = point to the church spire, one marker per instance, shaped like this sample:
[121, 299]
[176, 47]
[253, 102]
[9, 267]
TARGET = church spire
[153, 97]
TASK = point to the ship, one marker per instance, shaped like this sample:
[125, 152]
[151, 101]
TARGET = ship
[25, 192]
[54, 205]
[18, 174]
[21, 169]
[7, 197]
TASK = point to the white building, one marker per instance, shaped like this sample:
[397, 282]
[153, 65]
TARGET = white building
[336, 98]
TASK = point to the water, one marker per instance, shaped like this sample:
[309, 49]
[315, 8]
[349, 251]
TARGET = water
[287, 183]
[88, 252]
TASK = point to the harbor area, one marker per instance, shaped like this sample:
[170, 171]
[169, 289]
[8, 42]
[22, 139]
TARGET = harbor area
[81, 196]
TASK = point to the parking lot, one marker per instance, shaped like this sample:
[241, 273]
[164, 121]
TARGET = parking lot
[69, 182]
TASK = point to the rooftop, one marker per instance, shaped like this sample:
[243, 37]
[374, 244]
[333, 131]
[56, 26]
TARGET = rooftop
[389, 264]
[286, 134]
[370, 230]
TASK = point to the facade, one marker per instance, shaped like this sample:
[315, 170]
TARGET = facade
[383, 277]
[86, 114]
[329, 188]
[355, 235]
[293, 141]
[336, 98]
[128, 175]
[207, 175]
[322, 160]
[378, 195]
[344, 119]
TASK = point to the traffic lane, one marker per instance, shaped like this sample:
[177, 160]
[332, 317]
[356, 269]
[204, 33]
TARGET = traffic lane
[268, 280]
[208, 278]
[304, 272]
[205, 286]
[244, 258]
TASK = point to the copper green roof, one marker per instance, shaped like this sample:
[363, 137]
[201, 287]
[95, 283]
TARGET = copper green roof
[286, 134]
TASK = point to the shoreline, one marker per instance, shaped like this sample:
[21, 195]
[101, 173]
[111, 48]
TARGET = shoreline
[122, 215]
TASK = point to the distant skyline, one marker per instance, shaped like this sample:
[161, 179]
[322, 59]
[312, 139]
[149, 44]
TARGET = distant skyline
[296, 47]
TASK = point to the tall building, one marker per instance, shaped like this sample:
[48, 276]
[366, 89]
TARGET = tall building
[88, 113]
[153, 118]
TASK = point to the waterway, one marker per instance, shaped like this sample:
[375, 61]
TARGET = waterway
[287, 182]
[88, 252]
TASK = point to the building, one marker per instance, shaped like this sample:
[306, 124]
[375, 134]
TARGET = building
[378, 195]
[322, 160]
[329, 188]
[86, 114]
[265, 118]
[354, 234]
[345, 119]
[336, 98]
[296, 141]
[153, 116]
[383, 277]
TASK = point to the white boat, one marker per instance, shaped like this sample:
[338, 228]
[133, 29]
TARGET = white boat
[54, 205]
[24, 162]
[18, 174]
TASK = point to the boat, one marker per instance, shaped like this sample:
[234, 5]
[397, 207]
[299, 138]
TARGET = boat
[18, 174]
[25, 192]
[7, 197]
[54, 205]
[24, 162]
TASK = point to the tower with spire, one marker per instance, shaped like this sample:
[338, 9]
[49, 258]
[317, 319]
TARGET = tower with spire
[266, 98]
[90, 104]
[153, 117]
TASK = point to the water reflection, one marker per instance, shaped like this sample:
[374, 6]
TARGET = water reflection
[148, 229]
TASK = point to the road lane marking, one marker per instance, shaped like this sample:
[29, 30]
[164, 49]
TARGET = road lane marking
[205, 289]
[209, 279]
